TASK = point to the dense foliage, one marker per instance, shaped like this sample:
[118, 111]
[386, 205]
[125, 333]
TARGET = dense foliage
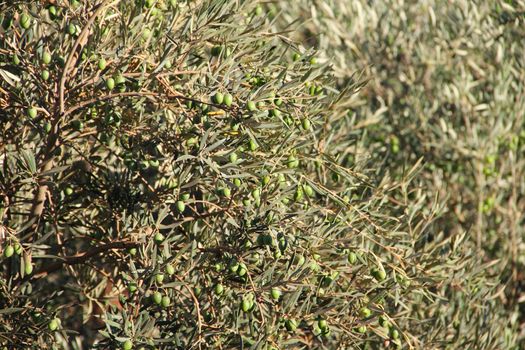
[183, 174]
[446, 91]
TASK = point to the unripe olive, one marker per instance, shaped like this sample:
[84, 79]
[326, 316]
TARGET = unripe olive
[44, 74]
[102, 64]
[218, 98]
[165, 302]
[31, 112]
[181, 206]
[276, 293]
[170, 270]
[127, 345]
[250, 106]
[228, 100]
[157, 297]
[25, 21]
[159, 237]
[219, 289]
[53, 325]
[9, 251]
[46, 57]
[110, 83]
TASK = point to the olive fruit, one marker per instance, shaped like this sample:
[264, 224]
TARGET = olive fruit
[159, 278]
[165, 301]
[365, 312]
[44, 74]
[292, 162]
[159, 237]
[250, 106]
[133, 251]
[28, 268]
[253, 145]
[291, 325]
[149, 3]
[46, 57]
[218, 98]
[31, 112]
[9, 251]
[246, 304]
[68, 191]
[322, 324]
[181, 206]
[225, 192]
[296, 56]
[394, 333]
[16, 60]
[352, 258]
[276, 293]
[156, 297]
[228, 100]
[233, 157]
[110, 83]
[53, 325]
[305, 123]
[378, 274]
[25, 21]
[170, 270]
[18, 248]
[52, 10]
[361, 329]
[102, 64]
[219, 289]
[127, 345]
[71, 29]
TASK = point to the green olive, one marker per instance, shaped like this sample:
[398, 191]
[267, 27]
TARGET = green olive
[170, 270]
[165, 301]
[127, 345]
[71, 29]
[378, 274]
[102, 64]
[159, 237]
[18, 248]
[219, 289]
[250, 106]
[246, 305]
[110, 83]
[276, 293]
[46, 57]
[9, 251]
[228, 100]
[159, 278]
[31, 112]
[45, 74]
[233, 157]
[218, 98]
[352, 258]
[157, 297]
[25, 21]
[181, 206]
[365, 312]
[322, 324]
[53, 325]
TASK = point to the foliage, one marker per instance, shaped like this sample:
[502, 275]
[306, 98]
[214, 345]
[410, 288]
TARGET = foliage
[446, 89]
[180, 174]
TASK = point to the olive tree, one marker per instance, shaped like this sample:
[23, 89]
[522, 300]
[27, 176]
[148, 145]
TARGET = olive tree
[181, 175]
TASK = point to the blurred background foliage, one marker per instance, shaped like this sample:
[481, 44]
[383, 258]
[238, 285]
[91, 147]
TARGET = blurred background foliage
[446, 91]
[233, 174]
